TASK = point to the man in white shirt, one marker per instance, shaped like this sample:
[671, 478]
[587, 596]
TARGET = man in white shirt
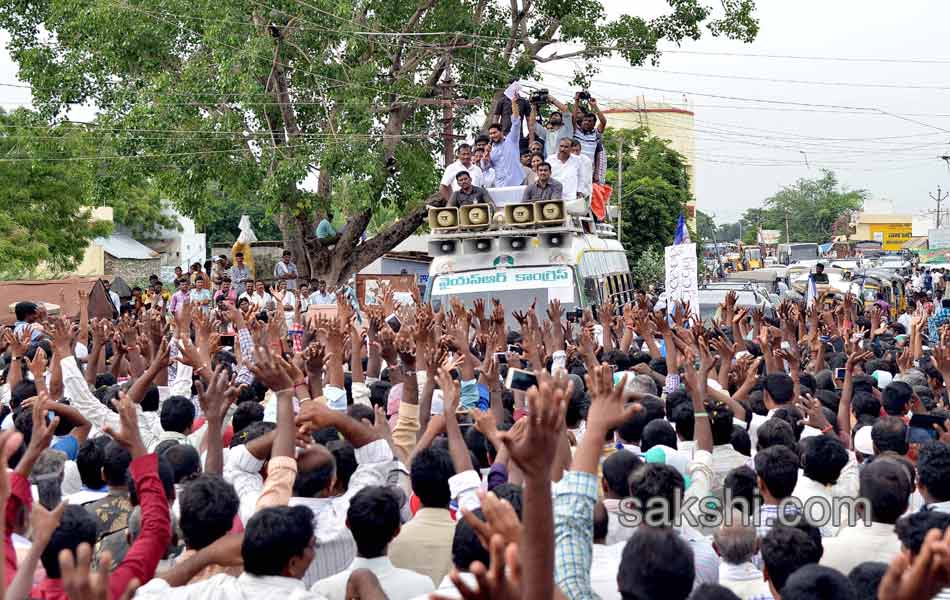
[320, 295]
[313, 488]
[488, 175]
[113, 297]
[373, 518]
[736, 545]
[277, 550]
[824, 459]
[449, 183]
[886, 486]
[585, 183]
[566, 169]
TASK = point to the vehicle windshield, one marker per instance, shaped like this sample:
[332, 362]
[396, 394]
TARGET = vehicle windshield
[516, 289]
[803, 252]
[709, 301]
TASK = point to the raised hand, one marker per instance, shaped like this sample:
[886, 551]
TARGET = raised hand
[220, 393]
[272, 370]
[607, 410]
[43, 432]
[82, 584]
[18, 344]
[38, 365]
[487, 425]
[190, 356]
[922, 577]
[500, 519]
[501, 580]
[451, 391]
[129, 437]
[814, 416]
[44, 522]
[314, 415]
[547, 405]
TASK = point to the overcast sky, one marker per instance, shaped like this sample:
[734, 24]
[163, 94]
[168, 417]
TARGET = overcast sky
[747, 150]
[749, 169]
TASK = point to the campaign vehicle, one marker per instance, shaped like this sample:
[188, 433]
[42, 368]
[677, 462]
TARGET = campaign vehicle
[522, 253]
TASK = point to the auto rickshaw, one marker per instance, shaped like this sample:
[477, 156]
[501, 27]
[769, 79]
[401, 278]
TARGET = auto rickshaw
[897, 296]
[752, 258]
[873, 284]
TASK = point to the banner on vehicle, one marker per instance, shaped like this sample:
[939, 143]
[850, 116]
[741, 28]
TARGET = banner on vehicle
[503, 279]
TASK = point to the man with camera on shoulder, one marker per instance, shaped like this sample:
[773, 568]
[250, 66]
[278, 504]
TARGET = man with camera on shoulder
[558, 126]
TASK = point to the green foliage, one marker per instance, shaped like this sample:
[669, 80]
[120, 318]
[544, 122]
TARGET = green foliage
[44, 218]
[655, 190]
[706, 227]
[192, 102]
[811, 205]
[649, 269]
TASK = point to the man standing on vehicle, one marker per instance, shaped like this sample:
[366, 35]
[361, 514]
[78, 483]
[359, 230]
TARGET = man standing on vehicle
[468, 193]
[505, 154]
[819, 276]
[558, 127]
[545, 188]
[463, 163]
[566, 169]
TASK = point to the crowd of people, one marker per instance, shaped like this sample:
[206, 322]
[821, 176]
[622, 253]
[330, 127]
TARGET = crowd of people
[218, 449]
[558, 157]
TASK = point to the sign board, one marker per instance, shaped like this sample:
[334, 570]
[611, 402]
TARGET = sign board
[369, 287]
[768, 236]
[682, 283]
[557, 279]
[892, 236]
[930, 257]
[938, 239]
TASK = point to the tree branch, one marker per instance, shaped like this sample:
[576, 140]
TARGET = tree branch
[391, 236]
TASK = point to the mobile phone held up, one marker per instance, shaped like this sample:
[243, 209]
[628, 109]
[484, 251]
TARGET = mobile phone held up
[394, 323]
[521, 380]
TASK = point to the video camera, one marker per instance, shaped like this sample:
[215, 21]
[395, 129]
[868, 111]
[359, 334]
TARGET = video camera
[539, 97]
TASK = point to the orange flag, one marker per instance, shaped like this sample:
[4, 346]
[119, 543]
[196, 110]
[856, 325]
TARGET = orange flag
[598, 200]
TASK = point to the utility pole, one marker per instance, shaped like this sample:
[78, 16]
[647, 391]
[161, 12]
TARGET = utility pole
[620, 190]
[788, 239]
[939, 198]
[448, 112]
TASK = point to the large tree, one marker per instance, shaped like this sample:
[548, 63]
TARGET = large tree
[249, 99]
[44, 221]
[706, 228]
[655, 190]
[810, 208]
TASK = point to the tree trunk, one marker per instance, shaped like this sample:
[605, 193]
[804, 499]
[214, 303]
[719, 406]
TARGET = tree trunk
[350, 255]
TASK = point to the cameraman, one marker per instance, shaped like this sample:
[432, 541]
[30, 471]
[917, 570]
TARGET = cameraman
[589, 135]
[557, 127]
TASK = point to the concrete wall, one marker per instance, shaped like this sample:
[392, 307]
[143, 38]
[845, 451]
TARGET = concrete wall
[133, 271]
[266, 255]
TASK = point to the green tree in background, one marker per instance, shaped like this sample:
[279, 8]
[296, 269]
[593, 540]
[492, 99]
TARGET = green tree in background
[649, 269]
[655, 190]
[245, 101]
[44, 219]
[812, 206]
[706, 228]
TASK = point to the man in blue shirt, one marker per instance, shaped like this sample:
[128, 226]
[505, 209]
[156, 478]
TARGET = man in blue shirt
[505, 156]
[326, 234]
[26, 314]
